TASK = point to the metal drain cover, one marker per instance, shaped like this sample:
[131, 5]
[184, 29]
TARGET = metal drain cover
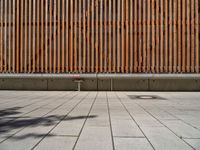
[146, 97]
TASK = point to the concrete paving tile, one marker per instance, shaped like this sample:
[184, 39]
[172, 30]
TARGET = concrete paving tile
[147, 121]
[57, 143]
[19, 144]
[159, 113]
[194, 122]
[125, 128]
[195, 143]
[182, 129]
[68, 128]
[132, 144]
[141, 117]
[122, 123]
[163, 139]
[98, 138]
[3, 137]
[73, 123]
[96, 133]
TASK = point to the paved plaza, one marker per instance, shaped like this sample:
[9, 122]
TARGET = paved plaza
[99, 120]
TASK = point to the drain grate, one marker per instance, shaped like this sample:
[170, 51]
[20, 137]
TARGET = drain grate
[146, 97]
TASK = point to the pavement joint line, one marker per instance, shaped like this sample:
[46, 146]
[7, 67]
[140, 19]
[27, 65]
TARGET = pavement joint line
[20, 117]
[17, 102]
[110, 123]
[45, 98]
[11, 135]
[65, 135]
[22, 100]
[130, 137]
[165, 126]
[39, 117]
[178, 118]
[134, 120]
[82, 99]
[24, 96]
[11, 98]
[191, 138]
[95, 98]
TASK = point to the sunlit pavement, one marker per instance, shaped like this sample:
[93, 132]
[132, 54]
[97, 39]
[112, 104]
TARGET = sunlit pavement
[99, 120]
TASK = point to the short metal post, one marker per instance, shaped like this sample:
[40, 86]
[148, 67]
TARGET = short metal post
[79, 84]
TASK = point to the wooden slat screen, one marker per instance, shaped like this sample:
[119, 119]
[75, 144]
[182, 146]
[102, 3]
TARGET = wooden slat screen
[86, 36]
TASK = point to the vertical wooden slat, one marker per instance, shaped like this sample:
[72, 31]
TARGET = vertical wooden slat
[179, 36]
[153, 36]
[67, 36]
[140, 42]
[166, 34]
[188, 34]
[55, 37]
[13, 38]
[5, 33]
[144, 35]
[58, 35]
[17, 36]
[148, 37]
[118, 34]
[109, 36]
[88, 35]
[46, 36]
[170, 35]
[84, 37]
[122, 36]
[114, 38]
[197, 35]
[157, 37]
[92, 38]
[1, 36]
[9, 36]
[37, 37]
[183, 37]
[63, 36]
[131, 36]
[175, 35]
[75, 35]
[101, 35]
[105, 36]
[71, 36]
[127, 37]
[79, 36]
[50, 35]
[192, 36]
[97, 37]
[34, 33]
[161, 35]
[21, 35]
[42, 36]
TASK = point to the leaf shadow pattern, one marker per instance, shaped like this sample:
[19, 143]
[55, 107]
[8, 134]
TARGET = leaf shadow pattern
[23, 122]
[9, 111]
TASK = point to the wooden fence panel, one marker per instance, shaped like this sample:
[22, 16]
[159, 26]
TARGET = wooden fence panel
[107, 36]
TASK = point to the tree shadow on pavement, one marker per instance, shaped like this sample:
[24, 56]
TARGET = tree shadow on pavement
[6, 127]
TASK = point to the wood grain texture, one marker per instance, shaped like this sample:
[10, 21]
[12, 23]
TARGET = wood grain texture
[13, 36]
[9, 35]
[5, 36]
[107, 36]
[197, 35]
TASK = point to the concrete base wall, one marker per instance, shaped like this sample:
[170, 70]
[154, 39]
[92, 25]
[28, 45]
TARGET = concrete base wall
[101, 84]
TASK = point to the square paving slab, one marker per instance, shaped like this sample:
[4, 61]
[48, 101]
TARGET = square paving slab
[99, 120]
